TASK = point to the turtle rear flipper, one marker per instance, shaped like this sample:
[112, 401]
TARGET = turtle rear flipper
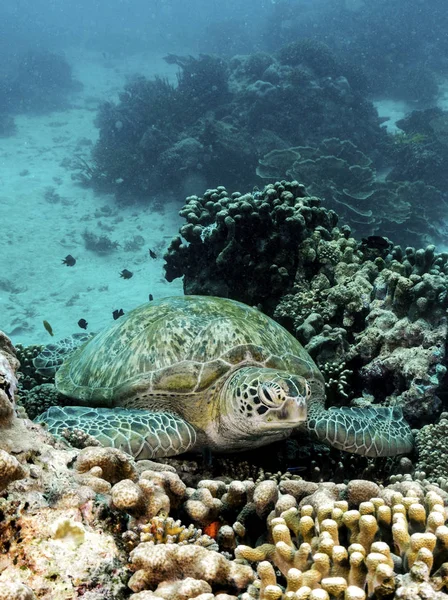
[53, 355]
[371, 431]
[141, 433]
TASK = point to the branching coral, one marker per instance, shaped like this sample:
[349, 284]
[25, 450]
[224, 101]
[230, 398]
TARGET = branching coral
[154, 563]
[165, 530]
[353, 552]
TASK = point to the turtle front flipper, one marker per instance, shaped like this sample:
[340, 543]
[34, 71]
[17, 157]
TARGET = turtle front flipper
[141, 433]
[370, 431]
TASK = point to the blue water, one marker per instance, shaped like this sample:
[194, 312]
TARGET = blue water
[353, 70]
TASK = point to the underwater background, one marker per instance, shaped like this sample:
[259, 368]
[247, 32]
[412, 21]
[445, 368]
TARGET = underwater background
[291, 155]
[111, 113]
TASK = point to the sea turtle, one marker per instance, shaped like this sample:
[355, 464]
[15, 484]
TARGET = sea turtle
[194, 372]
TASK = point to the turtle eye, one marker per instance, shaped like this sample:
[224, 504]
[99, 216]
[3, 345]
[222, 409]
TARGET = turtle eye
[271, 395]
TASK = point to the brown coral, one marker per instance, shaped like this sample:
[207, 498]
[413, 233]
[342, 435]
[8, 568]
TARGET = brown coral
[10, 469]
[115, 465]
[171, 562]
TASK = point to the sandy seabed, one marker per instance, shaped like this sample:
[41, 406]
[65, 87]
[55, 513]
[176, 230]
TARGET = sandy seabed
[44, 213]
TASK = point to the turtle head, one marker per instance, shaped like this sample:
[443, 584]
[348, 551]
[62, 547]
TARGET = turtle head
[257, 402]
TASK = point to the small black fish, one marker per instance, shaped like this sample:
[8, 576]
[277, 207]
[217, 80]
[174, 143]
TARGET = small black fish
[152, 254]
[376, 241]
[117, 314]
[69, 261]
[48, 327]
[126, 274]
[151, 297]
[82, 323]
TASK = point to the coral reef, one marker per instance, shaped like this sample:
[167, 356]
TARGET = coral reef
[301, 113]
[221, 117]
[277, 218]
[346, 180]
[154, 564]
[93, 523]
[101, 244]
[363, 35]
[324, 544]
[431, 442]
[37, 81]
[38, 399]
[373, 316]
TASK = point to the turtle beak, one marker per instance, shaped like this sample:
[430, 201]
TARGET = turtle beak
[293, 410]
[289, 415]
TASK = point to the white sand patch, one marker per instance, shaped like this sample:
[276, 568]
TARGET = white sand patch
[443, 94]
[44, 213]
[394, 110]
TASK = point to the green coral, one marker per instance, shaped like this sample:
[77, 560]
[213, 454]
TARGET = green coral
[39, 398]
[221, 230]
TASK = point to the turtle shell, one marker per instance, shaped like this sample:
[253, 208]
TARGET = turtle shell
[177, 346]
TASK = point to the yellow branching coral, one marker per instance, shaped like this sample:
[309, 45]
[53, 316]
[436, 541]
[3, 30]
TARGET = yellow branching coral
[308, 548]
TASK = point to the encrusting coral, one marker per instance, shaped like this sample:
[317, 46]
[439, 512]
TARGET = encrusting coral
[431, 442]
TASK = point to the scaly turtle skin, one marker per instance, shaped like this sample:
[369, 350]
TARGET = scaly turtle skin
[53, 355]
[196, 372]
